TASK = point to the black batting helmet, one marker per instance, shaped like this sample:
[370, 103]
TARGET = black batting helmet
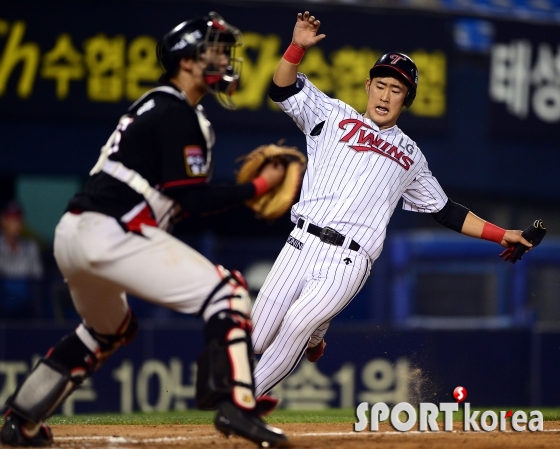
[191, 39]
[404, 66]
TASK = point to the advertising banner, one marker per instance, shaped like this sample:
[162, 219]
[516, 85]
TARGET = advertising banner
[77, 61]
[157, 371]
[524, 83]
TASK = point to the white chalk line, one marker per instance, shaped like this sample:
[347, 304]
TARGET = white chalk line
[410, 432]
[123, 440]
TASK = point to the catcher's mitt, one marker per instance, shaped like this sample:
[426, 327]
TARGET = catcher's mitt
[278, 200]
[533, 234]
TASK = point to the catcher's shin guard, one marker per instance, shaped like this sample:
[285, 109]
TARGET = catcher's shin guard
[44, 388]
[65, 367]
[225, 369]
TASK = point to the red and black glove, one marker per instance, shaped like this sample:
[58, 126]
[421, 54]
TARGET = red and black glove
[533, 234]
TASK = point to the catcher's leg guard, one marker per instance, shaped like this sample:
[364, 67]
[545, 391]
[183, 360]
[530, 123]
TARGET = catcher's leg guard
[225, 369]
[63, 369]
[225, 380]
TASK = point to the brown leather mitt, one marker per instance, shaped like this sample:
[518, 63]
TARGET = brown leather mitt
[278, 200]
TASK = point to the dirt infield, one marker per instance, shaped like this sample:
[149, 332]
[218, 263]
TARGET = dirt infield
[302, 436]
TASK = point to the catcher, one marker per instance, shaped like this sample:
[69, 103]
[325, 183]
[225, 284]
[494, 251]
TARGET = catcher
[112, 240]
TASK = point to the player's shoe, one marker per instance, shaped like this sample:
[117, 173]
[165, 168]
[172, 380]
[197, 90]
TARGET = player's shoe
[13, 433]
[231, 420]
[265, 404]
[314, 353]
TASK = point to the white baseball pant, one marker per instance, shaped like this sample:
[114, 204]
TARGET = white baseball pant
[305, 289]
[101, 263]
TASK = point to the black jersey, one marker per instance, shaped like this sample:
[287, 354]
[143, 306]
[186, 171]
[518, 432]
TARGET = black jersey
[167, 142]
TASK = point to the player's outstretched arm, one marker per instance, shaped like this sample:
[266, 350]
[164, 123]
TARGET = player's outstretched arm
[479, 228]
[304, 36]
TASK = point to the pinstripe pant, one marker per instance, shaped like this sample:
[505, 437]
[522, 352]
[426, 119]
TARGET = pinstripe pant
[308, 285]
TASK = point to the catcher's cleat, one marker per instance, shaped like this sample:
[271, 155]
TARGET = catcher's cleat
[231, 420]
[314, 353]
[13, 433]
[265, 404]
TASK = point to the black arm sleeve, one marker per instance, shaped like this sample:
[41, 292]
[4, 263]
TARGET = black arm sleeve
[278, 94]
[452, 215]
[195, 200]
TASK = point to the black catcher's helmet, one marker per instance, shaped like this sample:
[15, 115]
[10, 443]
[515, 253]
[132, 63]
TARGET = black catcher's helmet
[404, 66]
[191, 39]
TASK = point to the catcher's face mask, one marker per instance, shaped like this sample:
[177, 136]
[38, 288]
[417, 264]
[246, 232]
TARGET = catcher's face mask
[212, 42]
[217, 52]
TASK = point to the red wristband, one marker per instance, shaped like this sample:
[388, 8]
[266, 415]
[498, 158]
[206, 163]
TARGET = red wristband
[294, 53]
[492, 232]
[261, 185]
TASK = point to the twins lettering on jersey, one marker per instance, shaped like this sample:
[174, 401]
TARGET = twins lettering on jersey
[361, 138]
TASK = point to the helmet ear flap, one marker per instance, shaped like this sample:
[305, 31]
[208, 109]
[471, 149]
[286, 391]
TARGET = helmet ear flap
[410, 96]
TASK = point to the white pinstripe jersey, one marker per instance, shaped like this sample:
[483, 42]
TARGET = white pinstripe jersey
[357, 173]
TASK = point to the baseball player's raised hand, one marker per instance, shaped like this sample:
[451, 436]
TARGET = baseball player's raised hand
[303, 37]
[305, 31]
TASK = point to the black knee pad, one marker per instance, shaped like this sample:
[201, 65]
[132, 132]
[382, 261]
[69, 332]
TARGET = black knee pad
[108, 344]
[72, 354]
[225, 367]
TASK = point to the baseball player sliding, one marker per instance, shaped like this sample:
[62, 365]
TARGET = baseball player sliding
[359, 167]
[112, 240]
